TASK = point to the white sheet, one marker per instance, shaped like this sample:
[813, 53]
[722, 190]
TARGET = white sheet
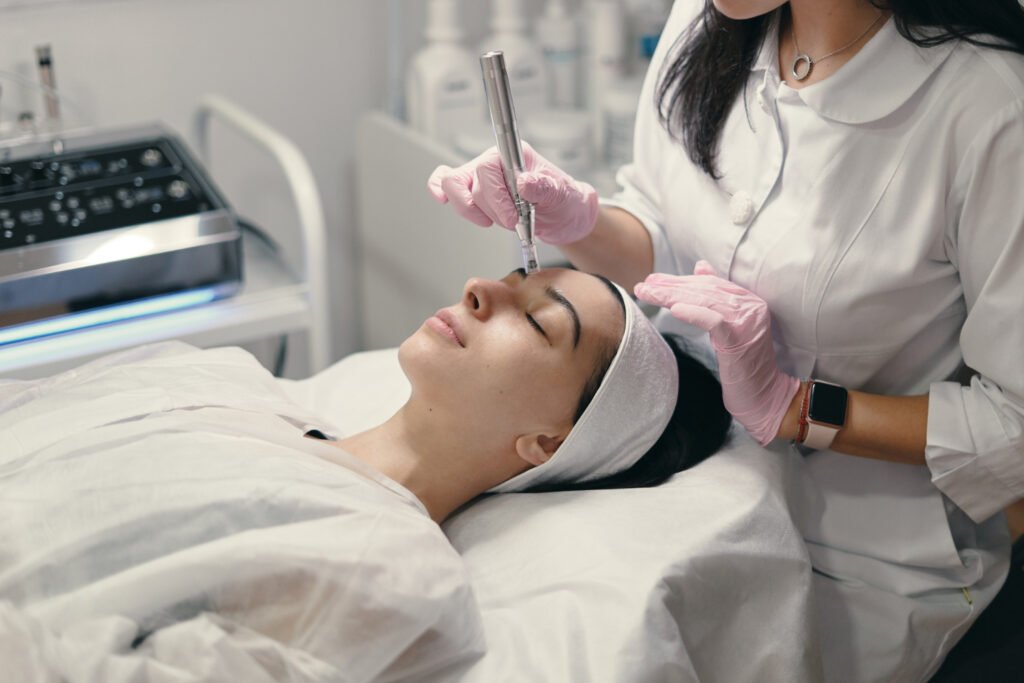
[166, 494]
[705, 578]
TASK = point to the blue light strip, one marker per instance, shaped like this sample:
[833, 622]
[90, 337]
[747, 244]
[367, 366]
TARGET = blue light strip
[105, 315]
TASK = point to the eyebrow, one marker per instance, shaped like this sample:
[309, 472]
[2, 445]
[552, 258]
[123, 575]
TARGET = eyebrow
[560, 299]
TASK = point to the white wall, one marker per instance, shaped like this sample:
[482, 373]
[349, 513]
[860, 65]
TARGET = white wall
[308, 67]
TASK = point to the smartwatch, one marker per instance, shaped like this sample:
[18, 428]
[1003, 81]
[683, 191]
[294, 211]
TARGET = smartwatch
[826, 413]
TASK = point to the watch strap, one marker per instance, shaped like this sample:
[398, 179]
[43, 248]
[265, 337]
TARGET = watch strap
[819, 436]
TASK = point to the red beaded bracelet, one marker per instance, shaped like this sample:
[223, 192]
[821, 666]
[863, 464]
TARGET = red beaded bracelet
[804, 404]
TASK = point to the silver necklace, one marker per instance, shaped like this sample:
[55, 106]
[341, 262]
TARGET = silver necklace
[803, 64]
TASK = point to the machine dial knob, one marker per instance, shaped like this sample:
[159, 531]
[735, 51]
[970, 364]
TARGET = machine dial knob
[151, 157]
[177, 189]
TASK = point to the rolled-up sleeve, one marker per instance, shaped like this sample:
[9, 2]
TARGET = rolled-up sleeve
[975, 440]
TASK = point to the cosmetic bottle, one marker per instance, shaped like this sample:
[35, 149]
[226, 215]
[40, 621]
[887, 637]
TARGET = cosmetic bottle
[443, 91]
[523, 59]
[558, 34]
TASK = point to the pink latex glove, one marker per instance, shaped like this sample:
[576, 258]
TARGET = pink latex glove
[566, 209]
[739, 323]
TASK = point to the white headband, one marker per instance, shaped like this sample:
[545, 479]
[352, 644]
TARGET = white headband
[626, 416]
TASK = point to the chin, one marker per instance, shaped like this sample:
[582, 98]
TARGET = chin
[427, 370]
[739, 10]
[411, 352]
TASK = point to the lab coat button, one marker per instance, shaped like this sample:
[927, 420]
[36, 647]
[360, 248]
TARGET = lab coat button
[741, 208]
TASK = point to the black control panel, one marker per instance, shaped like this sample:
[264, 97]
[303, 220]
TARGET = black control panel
[65, 195]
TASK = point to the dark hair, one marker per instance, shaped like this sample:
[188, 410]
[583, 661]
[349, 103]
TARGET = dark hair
[699, 427]
[713, 58]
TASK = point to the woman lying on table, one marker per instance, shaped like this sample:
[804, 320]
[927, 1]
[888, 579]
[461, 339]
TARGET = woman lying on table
[167, 513]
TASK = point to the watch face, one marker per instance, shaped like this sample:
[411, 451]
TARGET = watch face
[827, 404]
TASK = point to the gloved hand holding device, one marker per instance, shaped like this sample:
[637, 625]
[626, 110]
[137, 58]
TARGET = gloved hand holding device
[755, 391]
[566, 209]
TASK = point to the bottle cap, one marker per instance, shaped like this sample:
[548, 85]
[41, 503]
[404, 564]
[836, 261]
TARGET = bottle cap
[508, 15]
[443, 21]
[556, 9]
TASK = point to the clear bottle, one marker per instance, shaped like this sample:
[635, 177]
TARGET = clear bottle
[443, 91]
[559, 36]
[523, 58]
[608, 57]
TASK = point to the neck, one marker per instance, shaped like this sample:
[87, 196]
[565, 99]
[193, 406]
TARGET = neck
[822, 26]
[438, 459]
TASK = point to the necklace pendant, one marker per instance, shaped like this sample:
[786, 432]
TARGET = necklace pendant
[802, 66]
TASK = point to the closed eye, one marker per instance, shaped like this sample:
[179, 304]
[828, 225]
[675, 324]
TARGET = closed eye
[521, 272]
[536, 326]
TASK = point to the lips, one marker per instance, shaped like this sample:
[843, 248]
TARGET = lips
[444, 322]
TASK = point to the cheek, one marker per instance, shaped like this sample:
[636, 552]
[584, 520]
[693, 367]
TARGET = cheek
[505, 378]
[527, 381]
[506, 367]
[496, 371]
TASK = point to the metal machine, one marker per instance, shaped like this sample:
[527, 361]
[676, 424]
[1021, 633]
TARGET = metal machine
[94, 219]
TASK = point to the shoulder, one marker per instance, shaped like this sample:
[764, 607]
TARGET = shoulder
[989, 77]
[994, 87]
[409, 526]
[978, 95]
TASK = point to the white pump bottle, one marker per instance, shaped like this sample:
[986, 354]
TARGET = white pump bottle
[558, 33]
[443, 91]
[523, 58]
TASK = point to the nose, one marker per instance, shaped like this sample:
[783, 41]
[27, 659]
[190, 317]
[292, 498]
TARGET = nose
[484, 297]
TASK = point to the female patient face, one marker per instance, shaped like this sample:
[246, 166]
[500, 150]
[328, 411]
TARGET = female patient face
[514, 354]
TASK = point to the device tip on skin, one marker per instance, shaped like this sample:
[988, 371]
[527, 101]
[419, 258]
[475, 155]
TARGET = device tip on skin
[530, 258]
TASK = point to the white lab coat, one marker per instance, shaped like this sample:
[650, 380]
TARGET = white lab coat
[162, 519]
[879, 213]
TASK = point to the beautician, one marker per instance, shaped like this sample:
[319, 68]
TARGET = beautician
[855, 169]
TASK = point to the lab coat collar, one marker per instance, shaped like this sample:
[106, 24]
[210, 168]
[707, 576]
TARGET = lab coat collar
[886, 72]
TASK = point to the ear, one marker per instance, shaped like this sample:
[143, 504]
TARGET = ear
[537, 449]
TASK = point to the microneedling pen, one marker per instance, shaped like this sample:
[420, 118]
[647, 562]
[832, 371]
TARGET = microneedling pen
[510, 147]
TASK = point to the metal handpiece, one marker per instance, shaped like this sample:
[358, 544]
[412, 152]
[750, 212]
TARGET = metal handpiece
[510, 147]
